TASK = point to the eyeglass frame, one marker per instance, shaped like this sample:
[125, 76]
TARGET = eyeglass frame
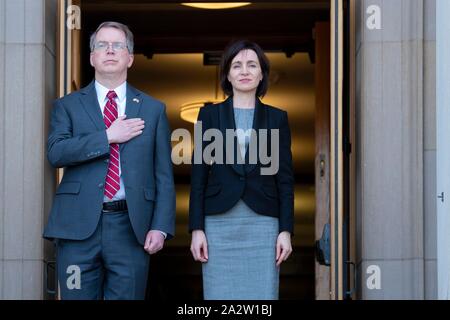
[110, 44]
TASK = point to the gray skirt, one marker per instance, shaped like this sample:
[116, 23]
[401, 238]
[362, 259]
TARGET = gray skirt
[242, 250]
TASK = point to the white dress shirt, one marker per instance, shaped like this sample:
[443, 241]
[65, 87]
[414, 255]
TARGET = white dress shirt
[121, 101]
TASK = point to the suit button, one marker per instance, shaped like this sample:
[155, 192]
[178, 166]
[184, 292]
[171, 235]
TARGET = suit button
[241, 178]
[100, 185]
[106, 161]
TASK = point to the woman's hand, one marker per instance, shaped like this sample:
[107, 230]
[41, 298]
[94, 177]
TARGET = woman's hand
[284, 247]
[199, 246]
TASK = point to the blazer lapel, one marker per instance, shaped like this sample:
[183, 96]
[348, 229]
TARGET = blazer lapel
[259, 122]
[132, 107]
[226, 120]
[89, 102]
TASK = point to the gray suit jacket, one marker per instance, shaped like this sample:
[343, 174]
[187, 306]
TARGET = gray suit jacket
[78, 142]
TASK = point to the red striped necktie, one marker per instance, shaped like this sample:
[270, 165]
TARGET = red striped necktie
[112, 182]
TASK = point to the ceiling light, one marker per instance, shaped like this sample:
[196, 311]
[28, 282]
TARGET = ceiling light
[215, 6]
[189, 111]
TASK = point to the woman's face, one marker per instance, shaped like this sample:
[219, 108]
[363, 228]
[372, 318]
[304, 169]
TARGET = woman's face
[245, 71]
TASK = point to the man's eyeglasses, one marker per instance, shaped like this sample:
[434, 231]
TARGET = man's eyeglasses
[104, 45]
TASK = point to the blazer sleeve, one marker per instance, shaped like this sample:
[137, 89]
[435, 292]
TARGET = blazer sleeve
[199, 178]
[165, 204]
[64, 149]
[285, 177]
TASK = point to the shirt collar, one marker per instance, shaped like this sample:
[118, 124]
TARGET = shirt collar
[103, 91]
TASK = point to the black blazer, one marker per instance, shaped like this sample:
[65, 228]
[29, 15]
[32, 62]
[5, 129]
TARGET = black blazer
[216, 188]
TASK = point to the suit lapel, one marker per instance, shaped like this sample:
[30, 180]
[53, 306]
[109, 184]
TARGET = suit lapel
[89, 102]
[226, 120]
[132, 107]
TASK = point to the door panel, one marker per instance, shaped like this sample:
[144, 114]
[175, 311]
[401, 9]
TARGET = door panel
[322, 152]
[68, 65]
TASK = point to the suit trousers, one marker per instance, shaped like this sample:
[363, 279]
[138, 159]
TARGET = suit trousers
[111, 264]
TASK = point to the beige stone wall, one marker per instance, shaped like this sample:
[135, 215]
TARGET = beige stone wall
[396, 149]
[27, 86]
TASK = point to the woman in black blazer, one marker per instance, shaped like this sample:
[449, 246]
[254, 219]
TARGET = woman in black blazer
[242, 206]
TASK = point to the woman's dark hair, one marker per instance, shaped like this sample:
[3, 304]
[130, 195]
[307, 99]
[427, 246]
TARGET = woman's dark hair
[230, 52]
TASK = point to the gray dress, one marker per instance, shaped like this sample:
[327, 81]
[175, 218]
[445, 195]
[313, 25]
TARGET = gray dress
[241, 245]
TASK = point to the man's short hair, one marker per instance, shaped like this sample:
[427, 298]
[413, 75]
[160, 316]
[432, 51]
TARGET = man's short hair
[112, 24]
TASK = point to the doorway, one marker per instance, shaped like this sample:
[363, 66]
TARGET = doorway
[176, 57]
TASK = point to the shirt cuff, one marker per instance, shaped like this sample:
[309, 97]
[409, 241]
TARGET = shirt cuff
[164, 234]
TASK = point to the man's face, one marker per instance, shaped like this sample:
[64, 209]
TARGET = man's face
[106, 60]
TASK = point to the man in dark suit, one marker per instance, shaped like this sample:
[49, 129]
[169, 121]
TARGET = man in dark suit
[115, 204]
